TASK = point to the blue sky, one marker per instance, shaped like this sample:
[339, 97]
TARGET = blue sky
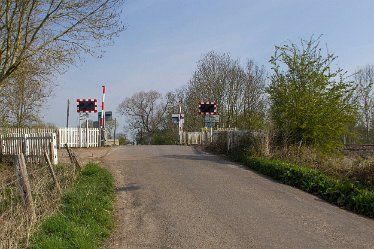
[165, 38]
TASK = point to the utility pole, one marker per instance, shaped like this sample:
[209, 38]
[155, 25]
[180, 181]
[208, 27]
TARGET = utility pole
[67, 115]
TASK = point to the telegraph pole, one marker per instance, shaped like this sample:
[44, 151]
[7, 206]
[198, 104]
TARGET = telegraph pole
[67, 115]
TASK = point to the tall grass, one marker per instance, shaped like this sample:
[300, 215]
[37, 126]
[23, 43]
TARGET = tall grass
[344, 165]
[16, 224]
[84, 219]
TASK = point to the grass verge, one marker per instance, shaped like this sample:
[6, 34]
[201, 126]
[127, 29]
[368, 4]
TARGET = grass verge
[85, 218]
[342, 193]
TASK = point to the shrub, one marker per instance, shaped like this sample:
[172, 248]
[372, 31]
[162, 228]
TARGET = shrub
[342, 193]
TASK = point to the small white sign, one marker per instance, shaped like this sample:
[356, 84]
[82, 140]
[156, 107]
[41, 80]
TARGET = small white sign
[211, 119]
[175, 118]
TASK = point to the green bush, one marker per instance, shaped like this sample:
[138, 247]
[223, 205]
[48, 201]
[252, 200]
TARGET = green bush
[122, 140]
[341, 193]
[85, 218]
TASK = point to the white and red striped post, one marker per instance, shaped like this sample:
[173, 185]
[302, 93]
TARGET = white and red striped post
[102, 119]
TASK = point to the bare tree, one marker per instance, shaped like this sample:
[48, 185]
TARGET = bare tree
[238, 91]
[54, 32]
[252, 107]
[145, 113]
[109, 126]
[364, 79]
[207, 84]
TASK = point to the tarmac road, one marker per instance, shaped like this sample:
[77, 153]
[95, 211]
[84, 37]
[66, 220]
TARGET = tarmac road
[176, 197]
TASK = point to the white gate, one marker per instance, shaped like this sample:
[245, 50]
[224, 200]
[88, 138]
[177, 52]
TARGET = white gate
[79, 137]
[192, 138]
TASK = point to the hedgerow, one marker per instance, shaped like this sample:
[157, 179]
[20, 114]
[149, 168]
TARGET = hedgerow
[342, 193]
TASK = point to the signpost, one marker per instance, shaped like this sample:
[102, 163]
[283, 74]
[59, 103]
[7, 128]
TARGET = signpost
[209, 109]
[84, 107]
[175, 118]
[179, 119]
[210, 120]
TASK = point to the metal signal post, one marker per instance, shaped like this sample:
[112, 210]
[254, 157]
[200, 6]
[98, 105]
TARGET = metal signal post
[102, 119]
[180, 123]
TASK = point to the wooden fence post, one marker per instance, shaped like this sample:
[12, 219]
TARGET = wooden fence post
[23, 181]
[73, 158]
[50, 167]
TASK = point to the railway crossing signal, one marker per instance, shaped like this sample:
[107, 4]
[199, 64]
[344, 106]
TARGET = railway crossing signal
[208, 108]
[86, 105]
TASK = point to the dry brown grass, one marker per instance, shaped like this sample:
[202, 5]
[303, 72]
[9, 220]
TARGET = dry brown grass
[15, 221]
[16, 225]
[348, 165]
[354, 163]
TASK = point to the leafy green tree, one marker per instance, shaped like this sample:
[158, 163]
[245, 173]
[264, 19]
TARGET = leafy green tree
[311, 103]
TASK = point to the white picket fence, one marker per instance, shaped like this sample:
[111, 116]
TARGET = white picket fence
[192, 138]
[196, 137]
[231, 137]
[79, 137]
[73, 137]
[5, 131]
[32, 145]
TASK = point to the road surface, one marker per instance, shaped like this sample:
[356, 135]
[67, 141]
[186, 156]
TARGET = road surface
[177, 197]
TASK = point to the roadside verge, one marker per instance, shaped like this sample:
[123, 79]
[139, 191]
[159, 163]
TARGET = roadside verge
[341, 193]
[85, 217]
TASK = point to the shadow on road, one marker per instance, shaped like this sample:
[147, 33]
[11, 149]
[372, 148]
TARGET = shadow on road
[129, 187]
